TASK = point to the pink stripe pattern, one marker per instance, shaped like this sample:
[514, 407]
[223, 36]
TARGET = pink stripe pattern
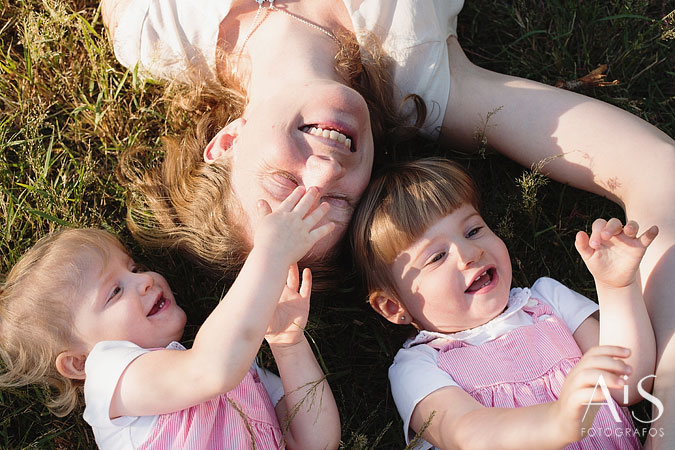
[243, 418]
[527, 366]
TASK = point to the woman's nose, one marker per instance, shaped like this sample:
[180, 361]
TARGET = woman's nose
[321, 171]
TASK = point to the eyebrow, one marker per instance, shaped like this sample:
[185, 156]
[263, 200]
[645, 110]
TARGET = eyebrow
[107, 279]
[101, 290]
[267, 169]
[475, 213]
[417, 254]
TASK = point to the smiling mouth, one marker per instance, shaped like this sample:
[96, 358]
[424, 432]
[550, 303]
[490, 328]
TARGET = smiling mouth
[483, 280]
[159, 304]
[330, 133]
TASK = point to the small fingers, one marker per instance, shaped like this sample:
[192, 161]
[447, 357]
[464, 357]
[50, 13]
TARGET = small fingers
[307, 201]
[306, 287]
[614, 351]
[593, 393]
[591, 378]
[631, 229]
[596, 233]
[263, 208]
[292, 200]
[292, 280]
[606, 363]
[612, 228]
[319, 213]
[649, 236]
[582, 244]
[322, 231]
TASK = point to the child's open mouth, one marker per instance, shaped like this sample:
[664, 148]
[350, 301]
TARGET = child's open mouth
[158, 306]
[483, 280]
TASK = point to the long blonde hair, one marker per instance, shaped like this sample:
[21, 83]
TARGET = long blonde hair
[186, 204]
[35, 318]
[397, 207]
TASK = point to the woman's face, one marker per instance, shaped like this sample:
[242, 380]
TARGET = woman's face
[300, 135]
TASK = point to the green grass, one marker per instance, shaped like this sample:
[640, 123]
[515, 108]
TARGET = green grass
[67, 110]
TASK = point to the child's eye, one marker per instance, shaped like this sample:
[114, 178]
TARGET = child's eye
[437, 257]
[114, 293]
[474, 231]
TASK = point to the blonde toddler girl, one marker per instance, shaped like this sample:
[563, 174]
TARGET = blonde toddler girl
[76, 311]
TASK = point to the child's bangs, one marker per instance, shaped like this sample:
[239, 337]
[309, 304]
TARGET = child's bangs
[412, 206]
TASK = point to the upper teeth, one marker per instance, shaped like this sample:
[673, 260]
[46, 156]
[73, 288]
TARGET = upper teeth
[330, 134]
[488, 280]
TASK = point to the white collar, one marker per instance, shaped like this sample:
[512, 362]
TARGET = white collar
[518, 298]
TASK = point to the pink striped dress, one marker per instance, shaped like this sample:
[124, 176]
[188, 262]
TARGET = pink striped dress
[243, 418]
[527, 366]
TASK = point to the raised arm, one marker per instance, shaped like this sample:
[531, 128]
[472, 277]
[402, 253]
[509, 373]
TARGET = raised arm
[612, 254]
[593, 146]
[455, 420]
[228, 341]
[308, 404]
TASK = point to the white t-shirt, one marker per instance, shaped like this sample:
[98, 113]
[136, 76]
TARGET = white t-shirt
[165, 37]
[104, 367]
[415, 372]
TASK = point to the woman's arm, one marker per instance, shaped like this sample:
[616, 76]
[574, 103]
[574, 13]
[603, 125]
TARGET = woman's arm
[454, 420]
[588, 143]
[223, 351]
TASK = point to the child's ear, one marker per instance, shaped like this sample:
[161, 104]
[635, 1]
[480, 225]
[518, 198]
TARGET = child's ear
[223, 141]
[389, 308]
[70, 364]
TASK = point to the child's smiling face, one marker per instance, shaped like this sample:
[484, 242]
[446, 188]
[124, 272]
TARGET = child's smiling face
[120, 302]
[456, 276]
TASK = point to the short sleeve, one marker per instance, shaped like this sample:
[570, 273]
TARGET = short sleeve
[104, 367]
[414, 33]
[413, 376]
[170, 39]
[272, 383]
[570, 306]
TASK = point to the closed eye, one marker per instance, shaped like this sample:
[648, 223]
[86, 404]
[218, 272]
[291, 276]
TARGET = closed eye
[280, 184]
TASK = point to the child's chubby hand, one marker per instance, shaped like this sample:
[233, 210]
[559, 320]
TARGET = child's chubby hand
[288, 323]
[613, 252]
[571, 411]
[289, 232]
